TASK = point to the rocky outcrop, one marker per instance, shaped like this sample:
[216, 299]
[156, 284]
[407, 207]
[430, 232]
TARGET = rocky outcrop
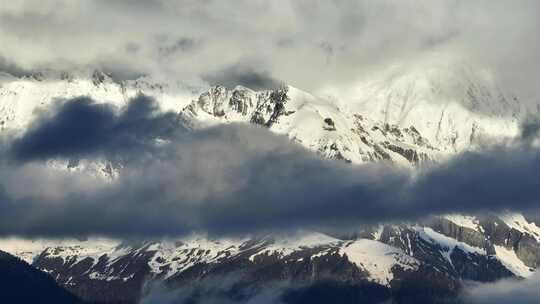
[240, 105]
[437, 255]
[351, 138]
[444, 252]
[528, 250]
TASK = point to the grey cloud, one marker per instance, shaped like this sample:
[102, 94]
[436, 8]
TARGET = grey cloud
[80, 127]
[12, 69]
[244, 75]
[232, 179]
[132, 47]
[503, 292]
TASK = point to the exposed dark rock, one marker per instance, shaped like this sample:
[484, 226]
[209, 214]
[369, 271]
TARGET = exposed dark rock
[479, 268]
[408, 153]
[278, 98]
[98, 78]
[528, 250]
[329, 124]
[240, 102]
[336, 292]
[22, 283]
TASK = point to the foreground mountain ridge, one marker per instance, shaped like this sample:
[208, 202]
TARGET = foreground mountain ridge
[22, 283]
[385, 125]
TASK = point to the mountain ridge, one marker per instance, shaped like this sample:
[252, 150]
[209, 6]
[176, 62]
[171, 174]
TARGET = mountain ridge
[448, 249]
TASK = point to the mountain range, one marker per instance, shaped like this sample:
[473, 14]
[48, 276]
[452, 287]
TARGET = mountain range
[407, 117]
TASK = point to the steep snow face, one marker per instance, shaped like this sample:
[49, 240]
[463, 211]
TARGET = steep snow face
[466, 221]
[317, 124]
[107, 260]
[511, 261]
[407, 117]
[508, 237]
[172, 257]
[402, 115]
[454, 106]
[378, 259]
[506, 256]
[446, 243]
[283, 246]
[520, 223]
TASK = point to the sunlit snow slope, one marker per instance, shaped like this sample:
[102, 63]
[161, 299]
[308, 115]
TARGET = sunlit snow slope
[405, 116]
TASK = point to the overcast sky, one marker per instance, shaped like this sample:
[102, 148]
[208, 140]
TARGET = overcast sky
[308, 43]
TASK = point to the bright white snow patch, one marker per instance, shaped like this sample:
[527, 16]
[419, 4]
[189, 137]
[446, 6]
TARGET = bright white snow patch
[510, 260]
[518, 222]
[466, 221]
[175, 255]
[286, 245]
[447, 244]
[378, 259]
[28, 249]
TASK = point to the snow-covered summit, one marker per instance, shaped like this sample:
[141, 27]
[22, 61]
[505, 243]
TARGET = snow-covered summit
[454, 105]
[21, 98]
[318, 124]
[404, 116]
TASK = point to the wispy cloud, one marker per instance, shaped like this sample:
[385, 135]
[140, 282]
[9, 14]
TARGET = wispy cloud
[310, 44]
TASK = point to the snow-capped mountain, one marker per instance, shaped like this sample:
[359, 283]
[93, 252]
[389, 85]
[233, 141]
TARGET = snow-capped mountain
[407, 117]
[317, 124]
[453, 105]
[440, 253]
[404, 116]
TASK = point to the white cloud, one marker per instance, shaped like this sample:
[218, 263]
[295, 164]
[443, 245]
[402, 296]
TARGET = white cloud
[329, 42]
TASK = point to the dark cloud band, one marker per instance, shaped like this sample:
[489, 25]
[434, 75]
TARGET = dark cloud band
[82, 127]
[230, 179]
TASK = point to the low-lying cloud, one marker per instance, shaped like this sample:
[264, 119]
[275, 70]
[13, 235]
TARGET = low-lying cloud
[308, 43]
[230, 179]
[81, 127]
[243, 75]
[506, 291]
[223, 289]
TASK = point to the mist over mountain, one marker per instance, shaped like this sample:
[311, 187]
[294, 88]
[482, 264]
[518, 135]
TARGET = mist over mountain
[269, 151]
[84, 151]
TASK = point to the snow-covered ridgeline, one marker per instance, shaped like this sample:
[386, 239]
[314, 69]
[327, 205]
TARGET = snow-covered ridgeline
[405, 118]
